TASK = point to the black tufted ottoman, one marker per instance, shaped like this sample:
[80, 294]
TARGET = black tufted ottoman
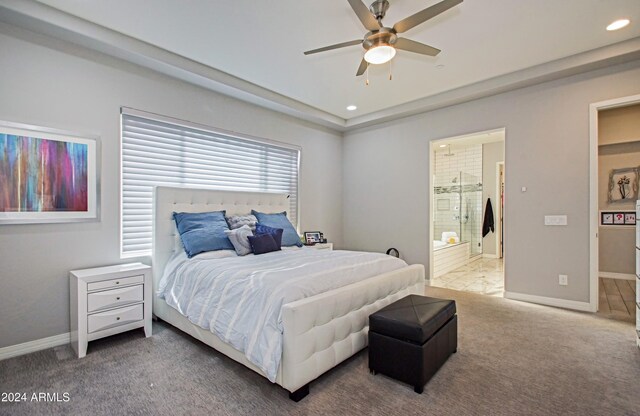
[411, 338]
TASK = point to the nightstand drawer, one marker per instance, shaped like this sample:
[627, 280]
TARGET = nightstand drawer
[114, 283]
[115, 317]
[114, 298]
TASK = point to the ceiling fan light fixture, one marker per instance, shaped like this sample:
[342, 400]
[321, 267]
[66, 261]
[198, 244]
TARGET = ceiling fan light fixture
[618, 24]
[380, 54]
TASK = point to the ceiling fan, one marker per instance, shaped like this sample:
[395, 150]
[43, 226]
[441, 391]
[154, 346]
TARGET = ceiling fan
[381, 42]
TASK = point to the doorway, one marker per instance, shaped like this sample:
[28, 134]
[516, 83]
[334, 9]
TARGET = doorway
[466, 230]
[614, 150]
[500, 209]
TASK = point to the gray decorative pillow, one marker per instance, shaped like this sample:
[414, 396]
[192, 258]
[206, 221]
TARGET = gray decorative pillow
[237, 221]
[240, 239]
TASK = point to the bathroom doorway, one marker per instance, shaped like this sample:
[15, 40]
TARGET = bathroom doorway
[467, 212]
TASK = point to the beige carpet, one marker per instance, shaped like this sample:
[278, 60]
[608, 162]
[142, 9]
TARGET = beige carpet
[513, 359]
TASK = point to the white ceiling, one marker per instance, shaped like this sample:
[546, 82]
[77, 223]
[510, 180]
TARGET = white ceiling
[262, 42]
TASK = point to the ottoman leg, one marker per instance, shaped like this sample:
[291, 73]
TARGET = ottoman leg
[418, 389]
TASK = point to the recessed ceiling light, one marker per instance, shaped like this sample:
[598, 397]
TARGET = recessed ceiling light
[443, 145]
[618, 24]
[439, 66]
[352, 108]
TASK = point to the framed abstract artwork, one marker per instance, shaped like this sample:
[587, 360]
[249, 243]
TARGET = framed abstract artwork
[47, 175]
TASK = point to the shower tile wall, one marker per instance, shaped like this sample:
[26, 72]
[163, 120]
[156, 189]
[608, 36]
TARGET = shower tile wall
[466, 159]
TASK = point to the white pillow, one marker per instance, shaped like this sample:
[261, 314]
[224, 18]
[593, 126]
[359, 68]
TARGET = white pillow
[240, 239]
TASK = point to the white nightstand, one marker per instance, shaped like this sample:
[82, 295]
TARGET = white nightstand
[323, 246]
[108, 300]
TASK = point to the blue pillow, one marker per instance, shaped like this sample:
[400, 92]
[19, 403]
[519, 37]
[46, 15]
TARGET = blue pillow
[202, 231]
[290, 236]
[276, 233]
[264, 243]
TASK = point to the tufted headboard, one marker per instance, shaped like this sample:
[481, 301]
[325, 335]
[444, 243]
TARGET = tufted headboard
[166, 200]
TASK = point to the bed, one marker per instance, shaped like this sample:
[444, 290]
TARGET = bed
[319, 331]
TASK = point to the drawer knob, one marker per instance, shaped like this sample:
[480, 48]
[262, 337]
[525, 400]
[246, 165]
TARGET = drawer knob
[118, 318]
[118, 298]
[117, 283]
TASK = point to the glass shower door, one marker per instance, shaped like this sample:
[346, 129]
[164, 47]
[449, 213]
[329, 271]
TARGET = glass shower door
[471, 212]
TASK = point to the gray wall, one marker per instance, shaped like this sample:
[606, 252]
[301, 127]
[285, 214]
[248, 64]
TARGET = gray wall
[72, 89]
[386, 170]
[492, 153]
[619, 139]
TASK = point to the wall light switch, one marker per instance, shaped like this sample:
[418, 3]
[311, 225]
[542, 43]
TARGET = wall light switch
[555, 220]
[563, 279]
[524, 189]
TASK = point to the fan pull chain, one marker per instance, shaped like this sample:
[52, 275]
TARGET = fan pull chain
[390, 76]
[367, 70]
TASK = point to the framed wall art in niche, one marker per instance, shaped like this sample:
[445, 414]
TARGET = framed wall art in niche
[623, 185]
[615, 218]
[47, 175]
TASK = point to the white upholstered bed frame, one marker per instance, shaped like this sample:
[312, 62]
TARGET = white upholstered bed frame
[320, 331]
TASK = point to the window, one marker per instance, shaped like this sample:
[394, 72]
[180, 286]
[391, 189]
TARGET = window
[158, 150]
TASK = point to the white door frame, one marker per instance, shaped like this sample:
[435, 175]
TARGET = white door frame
[593, 189]
[432, 146]
[499, 206]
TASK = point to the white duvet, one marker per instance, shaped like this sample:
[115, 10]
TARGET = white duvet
[240, 298]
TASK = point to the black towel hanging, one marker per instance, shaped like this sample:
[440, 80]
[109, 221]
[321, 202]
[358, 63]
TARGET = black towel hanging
[488, 224]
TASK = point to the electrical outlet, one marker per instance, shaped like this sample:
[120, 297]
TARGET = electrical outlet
[563, 280]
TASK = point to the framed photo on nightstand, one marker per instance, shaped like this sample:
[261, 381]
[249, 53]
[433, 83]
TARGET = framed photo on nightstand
[313, 237]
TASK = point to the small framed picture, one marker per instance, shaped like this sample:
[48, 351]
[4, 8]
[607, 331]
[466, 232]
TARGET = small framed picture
[630, 218]
[312, 237]
[607, 218]
[618, 218]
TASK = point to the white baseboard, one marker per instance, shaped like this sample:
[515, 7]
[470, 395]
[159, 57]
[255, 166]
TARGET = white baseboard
[33, 346]
[622, 276]
[542, 300]
[489, 256]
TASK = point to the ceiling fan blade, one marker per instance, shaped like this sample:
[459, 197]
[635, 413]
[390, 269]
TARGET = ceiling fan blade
[365, 16]
[362, 67]
[336, 46]
[416, 47]
[424, 15]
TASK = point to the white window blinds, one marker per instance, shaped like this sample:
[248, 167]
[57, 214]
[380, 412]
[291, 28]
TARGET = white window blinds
[161, 151]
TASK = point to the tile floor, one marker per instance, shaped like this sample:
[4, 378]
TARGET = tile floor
[484, 276]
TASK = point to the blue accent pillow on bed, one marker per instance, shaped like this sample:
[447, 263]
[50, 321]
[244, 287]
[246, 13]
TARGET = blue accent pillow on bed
[290, 236]
[276, 233]
[202, 231]
[263, 243]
